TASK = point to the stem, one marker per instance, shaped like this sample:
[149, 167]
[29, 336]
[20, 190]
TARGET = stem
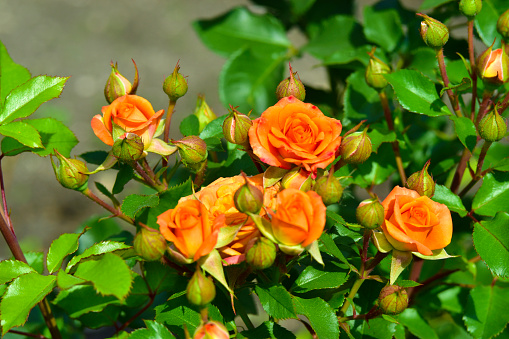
[473, 73]
[415, 273]
[4, 199]
[460, 170]
[395, 144]
[87, 192]
[482, 156]
[504, 104]
[255, 162]
[443, 72]
[355, 287]
[484, 106]
[379, 256]
[148, 180]
[241, 311]
[149, 171]
[40, 336]
[167, 122]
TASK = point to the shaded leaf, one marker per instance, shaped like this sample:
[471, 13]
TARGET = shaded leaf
[491, 241]
[493, 194]
[82, 299]
[276, 301]
[321, 317]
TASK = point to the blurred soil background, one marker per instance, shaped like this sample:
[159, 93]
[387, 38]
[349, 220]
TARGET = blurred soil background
[79, 38]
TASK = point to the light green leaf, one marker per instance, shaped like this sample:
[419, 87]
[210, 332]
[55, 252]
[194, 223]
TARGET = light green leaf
[66, 281]
[11, 269]
[82, 299]
[25, 99]
[491, 241]
[486, 22]
[22, 132]
[95, 250]
[153, 330]
[276, 301]
[11, 74]
[417, 93]
[36, 260]
[60, 248]
[445, 196]
[21, 296]
[416, 324]
[493, 195]
[312, 278]
[466, 131]
[134, 202]
[321, 317]
[383, 27]
[437, 255]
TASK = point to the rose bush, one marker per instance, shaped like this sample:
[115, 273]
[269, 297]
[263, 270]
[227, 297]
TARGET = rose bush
[133, 114]
[294, 133]
[416, 223]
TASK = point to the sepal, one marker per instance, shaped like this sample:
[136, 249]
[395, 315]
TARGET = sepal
[160, 147]
[213, 265]
[400, 260]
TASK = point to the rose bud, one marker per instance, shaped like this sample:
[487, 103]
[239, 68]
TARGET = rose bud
[149, 244]
[329, 188]
[262, 254]
[434, 33]
[248, 198]
[175, 85]
[203, 112]
[297, 178]
[211, 330]
[117, 85]
[370, 213]
[236, 128]
[71, 172]
[493, 65]
[393, 299]
[375, 70]
[192, 150]
[128, 148]
[291, 86]
[200, 290]
[503, 25]
[422, 182]
[470, 8]
[355, 148]
[492, 127]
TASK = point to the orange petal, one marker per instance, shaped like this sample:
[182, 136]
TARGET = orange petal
[101, 131]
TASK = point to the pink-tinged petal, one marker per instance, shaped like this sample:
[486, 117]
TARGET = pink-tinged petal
[101, 131]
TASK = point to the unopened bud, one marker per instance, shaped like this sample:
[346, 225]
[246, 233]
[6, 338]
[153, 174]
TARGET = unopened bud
[503, 25]
[117, 85]
[297, 178]
[493, 65]
[192, 150]
[422, 182]
[128, 148]
[71, 172]
[329, 188]
[203, 112]
[393, 299]
[262, 254]
[291, 86]
[211, 330]
[470, 8]
[355, 148]
[248, 198]
[175, 85]
[492, 127]
[236, 127]
[200, 289]
[149, 244]
[434, 33]
[375, 71]
[370, 213]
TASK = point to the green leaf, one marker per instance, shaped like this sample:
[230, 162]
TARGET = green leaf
[25, 99]
[11, 74]
[329, 246]
[376, 169]
[153, 330]
[276, 301]
[177, 312]
[486, 22]
[445, 196]
[134, 202]
[66, 281]
[414, 322]
[361, 101]
[378, 135]
[379, 328]
[248, 80]
[383, 27]
[240, 28]
[110, 275]
[491, 241]
[21, 296]
[321, 317]
[493, 194]
[54, 135]
[486, 311]
[267, 329]
[427, 4]
[11, 269]
[313, 278]
[66, 244]
[36, 260]
[466, 131]
[162, 278]
[97, 249]
[190, 125]
[124, 175]
[417, 93]
[22, 132]
[82, 299]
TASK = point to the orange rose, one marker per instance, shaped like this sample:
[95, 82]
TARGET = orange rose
[299, 218]
[190, 228]
[132, 113]
[416, 223]
[235, 252]
[494, 65]
[293, 133]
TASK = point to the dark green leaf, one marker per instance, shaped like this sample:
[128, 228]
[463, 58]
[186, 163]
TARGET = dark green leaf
[11, 74]
[313, 278]
[414, 322]
[377, 168]
[11, 269]
[21, 296]
[383, 27]
[54, 135]
[134, 202]
[466, 131]
[153, 330]
[417, 93]
[190, 125]
[445, 196]
[124, 175]
[94, 157]
[97, 249]
[214, 129]
[267, 329]
[177, 312]
[25, 99]
[486, 311]
[361, 101]
[240, 28]
[491, 241]
[329, 246]
[377, 328]
[82, 299]
[378, 135]
[162, 278]
[493, 194]
[427, 4]
[22, 132]
[321, 317]
[486, 23]
[60, 248]
[276, 301]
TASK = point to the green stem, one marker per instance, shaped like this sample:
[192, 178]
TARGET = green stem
[166, 136]
[460, 170]
[353, 291]
[443, 72]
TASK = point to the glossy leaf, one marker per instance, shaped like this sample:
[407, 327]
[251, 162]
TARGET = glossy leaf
[383, 27]
[190, 125]
[97, 249]
[493, 194]
[378, 135]
[361, 101]
[21, 296]
[23, 133]
[466, 131]
[330, 247]
[162, 278]
[11, 269]
[177, 312]
[135, 202]
[60, 248]
[66, 281]
[313, 278]
[417, 93]
[267, 329]
[445, 196]
[11, 74]
[486, 23]
[416, 324]
[491, 241]
[153, 330]
[36, 260]
[276, 301]
[379, 328]
[321, 317]
[124, 175]
[81, 299]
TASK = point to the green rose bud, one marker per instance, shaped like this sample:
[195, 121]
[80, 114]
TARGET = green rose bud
[117, 85]
[375, 71]
[248, 198]
[236, 128]
[355, 148]
[434, 33]
[370, 213]
[192, 150]
[470, 8]
[203, 112]
[329, 188]
[175, 85]
[71, 173]
[291, 86]
[492, 127]
[393, 299]
[262, 254]
[149, 244]
[422, 182]
[503, 25]
[128, 148]
[200, 289]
